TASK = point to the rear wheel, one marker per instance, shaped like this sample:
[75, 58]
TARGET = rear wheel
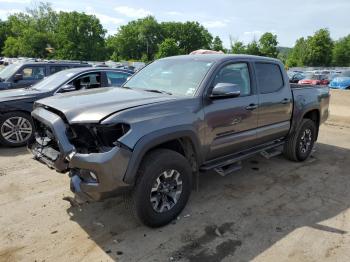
[16, 128]
[300, 144]
[163, 187]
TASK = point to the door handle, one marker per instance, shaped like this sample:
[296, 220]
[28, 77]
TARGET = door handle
[252, 107]
[285, 101]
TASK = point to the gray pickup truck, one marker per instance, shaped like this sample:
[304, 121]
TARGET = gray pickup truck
[176, 117]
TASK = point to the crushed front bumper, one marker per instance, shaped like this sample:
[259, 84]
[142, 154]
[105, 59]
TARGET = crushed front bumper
[94, 176]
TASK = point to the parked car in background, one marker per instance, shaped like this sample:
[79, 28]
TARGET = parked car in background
[341, 81]
[295, 77]
[16, 125]
[176, 117]
[314, 79]
[23, 74]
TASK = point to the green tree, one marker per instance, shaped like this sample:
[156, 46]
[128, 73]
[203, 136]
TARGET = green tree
[168, 47]
[297, 55]
[193, 37]
[253, 48]
[79, 36]
[217, 44]
[319, 49]
[4, 34]
[237, 47]
[268, 45]
[139, 39]
[31, 33]
[341, 52]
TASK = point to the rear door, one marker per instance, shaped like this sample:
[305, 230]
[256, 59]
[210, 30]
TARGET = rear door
[275, 102]
[232, 122]
[56, 68]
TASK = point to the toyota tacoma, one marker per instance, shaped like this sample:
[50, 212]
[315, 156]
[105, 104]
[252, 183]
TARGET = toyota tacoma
[176, 117]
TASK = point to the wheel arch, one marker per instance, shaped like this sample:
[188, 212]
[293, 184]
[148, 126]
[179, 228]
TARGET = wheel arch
[314, 115]
[183, 141]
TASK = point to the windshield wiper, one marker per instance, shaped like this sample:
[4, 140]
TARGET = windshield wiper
[158, 91]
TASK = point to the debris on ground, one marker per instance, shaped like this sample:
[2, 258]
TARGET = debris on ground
[98, 224]
[217, 232]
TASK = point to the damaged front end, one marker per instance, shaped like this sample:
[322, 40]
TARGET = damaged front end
[91, 153]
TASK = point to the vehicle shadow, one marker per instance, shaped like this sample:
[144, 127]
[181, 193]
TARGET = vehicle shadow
[12, 151]
[237, 217]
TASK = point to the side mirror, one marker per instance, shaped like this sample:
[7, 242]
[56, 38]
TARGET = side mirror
[67, 88]
[225, 90]
[17, 77]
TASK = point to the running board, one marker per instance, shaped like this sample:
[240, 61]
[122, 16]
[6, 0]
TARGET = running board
[270, 153]
[224, 171]
[231, 159]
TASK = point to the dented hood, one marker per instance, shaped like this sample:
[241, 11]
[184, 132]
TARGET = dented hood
[92, 106]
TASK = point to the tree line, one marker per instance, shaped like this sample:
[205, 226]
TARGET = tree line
[42, 32]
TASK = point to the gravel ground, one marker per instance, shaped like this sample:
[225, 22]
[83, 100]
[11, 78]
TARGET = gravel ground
[271, 210]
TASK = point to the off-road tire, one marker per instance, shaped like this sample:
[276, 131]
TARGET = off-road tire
[292, 149]
[154, 164]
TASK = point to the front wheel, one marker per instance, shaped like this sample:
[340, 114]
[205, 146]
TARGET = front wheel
[16, 128]
[163, 187]
[300, 144]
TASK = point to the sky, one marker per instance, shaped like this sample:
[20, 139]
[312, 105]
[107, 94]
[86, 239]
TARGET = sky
[243, 20]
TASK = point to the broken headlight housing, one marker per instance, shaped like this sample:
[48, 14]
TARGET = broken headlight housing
[96, 138]
[109, 134]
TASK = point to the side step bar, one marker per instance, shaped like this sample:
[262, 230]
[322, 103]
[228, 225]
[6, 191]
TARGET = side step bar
[270, 153]
[226, 162]
[224, 171]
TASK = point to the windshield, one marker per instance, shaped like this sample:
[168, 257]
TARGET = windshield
[53, 81]
[9, 70]
[345, 74]
[174, 76]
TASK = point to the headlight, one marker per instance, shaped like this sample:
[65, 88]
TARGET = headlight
[109, 134]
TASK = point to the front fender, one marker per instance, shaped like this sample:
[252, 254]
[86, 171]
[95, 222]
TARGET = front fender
[156, 138]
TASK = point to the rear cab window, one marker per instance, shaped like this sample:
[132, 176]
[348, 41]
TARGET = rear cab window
[269, 77]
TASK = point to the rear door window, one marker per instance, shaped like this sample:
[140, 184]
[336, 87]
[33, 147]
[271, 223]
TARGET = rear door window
[87, 81]
[116, 78]
[55, 69]
[269, 77]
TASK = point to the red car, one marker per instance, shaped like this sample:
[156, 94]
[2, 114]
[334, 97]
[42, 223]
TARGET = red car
[314, 79]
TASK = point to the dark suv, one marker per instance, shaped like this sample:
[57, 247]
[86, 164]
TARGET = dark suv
[25, 74]
[15, 105]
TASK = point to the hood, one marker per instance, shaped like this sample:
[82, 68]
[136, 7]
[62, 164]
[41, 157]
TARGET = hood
[92, 106]
[16, 94]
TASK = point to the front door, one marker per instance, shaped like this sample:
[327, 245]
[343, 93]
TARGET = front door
[30, 75]
[232, 122]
